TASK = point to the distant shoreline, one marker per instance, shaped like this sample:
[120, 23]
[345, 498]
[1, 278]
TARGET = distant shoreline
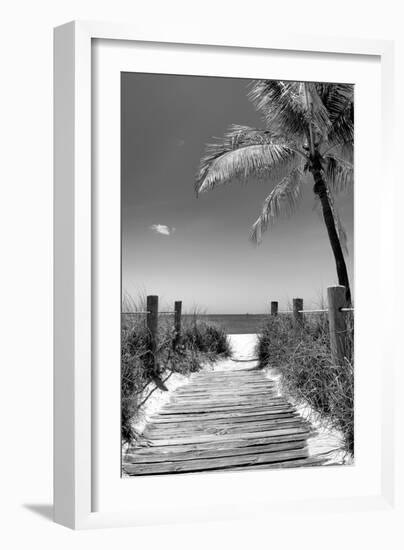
[234, 323]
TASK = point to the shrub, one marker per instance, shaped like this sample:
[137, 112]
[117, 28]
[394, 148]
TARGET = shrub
[303, 357]
[206, 338]
[199, 342]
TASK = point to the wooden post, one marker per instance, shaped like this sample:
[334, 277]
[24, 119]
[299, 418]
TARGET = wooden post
[297, 311]
[274, 308]
[337, 322]
[152, 306]
[177, 322]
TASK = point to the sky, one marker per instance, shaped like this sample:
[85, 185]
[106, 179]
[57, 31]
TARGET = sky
[197, 250]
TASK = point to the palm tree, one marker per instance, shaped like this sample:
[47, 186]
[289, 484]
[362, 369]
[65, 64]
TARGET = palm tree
[309, 129]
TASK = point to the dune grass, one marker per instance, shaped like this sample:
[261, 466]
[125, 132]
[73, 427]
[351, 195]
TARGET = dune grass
[200, 342]
[302, 356]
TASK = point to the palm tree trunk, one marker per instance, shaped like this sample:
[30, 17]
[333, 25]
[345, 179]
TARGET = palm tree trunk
[321, 191]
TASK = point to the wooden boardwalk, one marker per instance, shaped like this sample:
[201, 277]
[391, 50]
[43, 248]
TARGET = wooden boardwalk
[222, 420]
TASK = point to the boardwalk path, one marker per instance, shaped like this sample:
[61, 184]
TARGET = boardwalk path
[223, 420]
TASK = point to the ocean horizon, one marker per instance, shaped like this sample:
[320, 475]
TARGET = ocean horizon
[235, 323]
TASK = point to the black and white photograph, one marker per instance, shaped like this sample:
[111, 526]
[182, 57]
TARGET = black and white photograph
[202, 264]
[237, 274]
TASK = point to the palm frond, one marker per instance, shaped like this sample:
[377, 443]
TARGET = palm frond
[335, 97]
[345, 151]
[339, 173]
[282, 104]
[319, 114]
[245, 152]
[338, 99]
[282, 201]
[286, 108]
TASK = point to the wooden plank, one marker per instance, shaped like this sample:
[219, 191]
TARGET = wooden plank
[197, 409]
[275, 399]
[227, 385]
[227, 403]
[231, 417]
[179, 431]
[296, 463]
[220, 385]
[224, 388]
[233, 376]
[215, 403]
[213, 407]
[225, 393]
[251, 402]
[213, 400]
[231, 393]
[220, 431]
[230, 396]
[220, 444]
[216, 425]
[153, 457]
[254, 425]
[214, 463]
[199, 438]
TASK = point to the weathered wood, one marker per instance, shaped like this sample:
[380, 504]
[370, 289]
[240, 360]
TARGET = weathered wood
[258, 425]
[152, 305]
[337, 323]
[177, 323]
[297, 463]
[243, 399]
[220, 444]
[274, 308]
[220, 421]
[204, 410]
[152, 456]
[297, 311]
[213, 404]
[227, 392]
[214, 463]
[238, 422]
[241, 374]
[162, 431]
[200, 438]
[207, 419]
[155, 436]
[248, 391]
[188, 420]
[225, 386]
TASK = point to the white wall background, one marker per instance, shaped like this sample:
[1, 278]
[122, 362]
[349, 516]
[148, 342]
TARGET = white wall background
[26, 270]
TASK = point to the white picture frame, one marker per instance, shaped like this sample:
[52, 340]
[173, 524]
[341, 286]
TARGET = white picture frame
[75, 397]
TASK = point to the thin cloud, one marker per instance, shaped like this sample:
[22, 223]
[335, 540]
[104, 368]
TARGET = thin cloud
[162, 229]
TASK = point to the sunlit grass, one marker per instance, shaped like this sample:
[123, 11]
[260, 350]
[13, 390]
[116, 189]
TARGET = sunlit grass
[303, 357]
[200, 342]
